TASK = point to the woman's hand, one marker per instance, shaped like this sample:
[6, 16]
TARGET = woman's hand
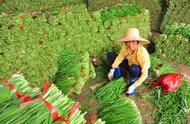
[131, 89]
[111, 73]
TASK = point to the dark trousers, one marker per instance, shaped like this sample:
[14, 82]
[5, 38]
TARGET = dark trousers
[134, 70]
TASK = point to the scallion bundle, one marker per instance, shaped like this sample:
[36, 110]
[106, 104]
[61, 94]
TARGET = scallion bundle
[107, 94]
[123, 111]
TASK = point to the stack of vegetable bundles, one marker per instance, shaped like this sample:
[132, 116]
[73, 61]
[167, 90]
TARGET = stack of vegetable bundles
[51, 107]
[74, 69]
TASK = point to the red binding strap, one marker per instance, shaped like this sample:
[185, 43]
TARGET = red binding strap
[11, 86]
[93, 119]
[19, 96]
[73, 110]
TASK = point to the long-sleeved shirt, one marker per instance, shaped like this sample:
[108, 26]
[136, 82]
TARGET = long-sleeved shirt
[139, 57]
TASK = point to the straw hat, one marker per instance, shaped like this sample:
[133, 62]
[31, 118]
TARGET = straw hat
[133, 35]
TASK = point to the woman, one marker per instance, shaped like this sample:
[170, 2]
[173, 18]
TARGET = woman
[132, 57]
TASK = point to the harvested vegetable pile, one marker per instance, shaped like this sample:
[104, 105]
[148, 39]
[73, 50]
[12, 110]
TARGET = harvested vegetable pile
[154, 7]
[116, 20]
[46, 106]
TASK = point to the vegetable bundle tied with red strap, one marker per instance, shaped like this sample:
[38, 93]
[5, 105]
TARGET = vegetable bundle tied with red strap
[74, 69]
[50, 107]
[16, 87]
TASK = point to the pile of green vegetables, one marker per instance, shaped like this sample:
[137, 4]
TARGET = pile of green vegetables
[122, 111]
[33, 44]
[117, 23]
[47, 106]
[37, 112]
[173, 107]
[109, 93]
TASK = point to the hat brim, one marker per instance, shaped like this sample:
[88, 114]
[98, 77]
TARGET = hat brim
[140, 39]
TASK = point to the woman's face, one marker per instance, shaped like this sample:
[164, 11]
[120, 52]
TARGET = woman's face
[132, 45]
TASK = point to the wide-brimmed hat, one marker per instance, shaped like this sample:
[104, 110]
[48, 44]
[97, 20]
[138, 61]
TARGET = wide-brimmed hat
[133, 35]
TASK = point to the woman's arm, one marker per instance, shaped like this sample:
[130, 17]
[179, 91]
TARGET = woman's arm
[144, 61]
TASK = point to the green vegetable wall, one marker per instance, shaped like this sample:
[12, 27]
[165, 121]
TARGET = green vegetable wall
[154, 7]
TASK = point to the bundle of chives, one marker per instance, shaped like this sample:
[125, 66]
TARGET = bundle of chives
[17, 88]
[73, 72]
[50, 107]
[107, 94]
[123, 111]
